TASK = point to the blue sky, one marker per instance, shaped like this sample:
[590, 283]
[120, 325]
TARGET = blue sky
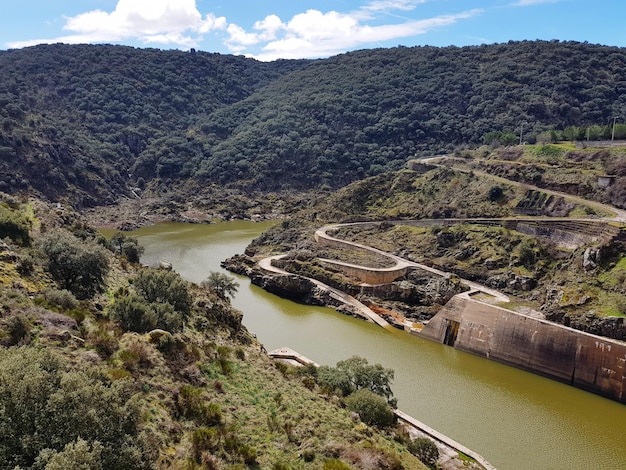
[290, 29]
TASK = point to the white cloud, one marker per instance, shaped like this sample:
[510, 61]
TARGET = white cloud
[269, 27]
[386, 5]
[176, 22]
[526, 3]
[315, 34]
[312, 34]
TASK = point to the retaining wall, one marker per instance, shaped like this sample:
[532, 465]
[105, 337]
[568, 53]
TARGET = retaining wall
[590, 362]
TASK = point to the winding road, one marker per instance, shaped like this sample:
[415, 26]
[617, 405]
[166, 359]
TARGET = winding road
[402, 265]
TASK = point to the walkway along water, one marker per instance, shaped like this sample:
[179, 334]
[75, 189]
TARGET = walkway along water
[291, 357]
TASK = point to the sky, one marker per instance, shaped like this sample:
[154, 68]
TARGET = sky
[296, 29]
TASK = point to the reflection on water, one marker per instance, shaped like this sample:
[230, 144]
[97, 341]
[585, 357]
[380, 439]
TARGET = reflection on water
[517, 420]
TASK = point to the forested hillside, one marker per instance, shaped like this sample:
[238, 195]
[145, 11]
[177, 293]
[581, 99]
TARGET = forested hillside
[93, 122]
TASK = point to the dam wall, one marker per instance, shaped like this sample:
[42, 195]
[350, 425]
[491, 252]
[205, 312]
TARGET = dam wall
[367, 275]
[586, 361]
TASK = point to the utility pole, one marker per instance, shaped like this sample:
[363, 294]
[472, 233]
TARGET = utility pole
[613, 133]
[521, 133]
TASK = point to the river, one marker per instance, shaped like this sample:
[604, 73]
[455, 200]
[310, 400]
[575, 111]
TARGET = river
[516, 420]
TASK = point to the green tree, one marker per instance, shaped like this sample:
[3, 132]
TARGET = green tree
[425, 450]
[572, 133]
[76, 265]
[43, 409]
[225, 287]
[372, 408]
[127, 246]
[162, 286]
[15, 226]
[355, 374]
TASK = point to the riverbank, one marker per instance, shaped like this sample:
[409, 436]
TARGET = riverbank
[452, 455]
[204, 207]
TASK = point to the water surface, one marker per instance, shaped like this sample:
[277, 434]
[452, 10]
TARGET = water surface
[516, 420]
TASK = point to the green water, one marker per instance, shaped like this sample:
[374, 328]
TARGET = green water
[516, 420]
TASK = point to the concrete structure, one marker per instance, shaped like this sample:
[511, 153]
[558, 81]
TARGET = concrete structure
[291, 357]
[586, 361]
[604, 181]
[294, 358]
[442, 438]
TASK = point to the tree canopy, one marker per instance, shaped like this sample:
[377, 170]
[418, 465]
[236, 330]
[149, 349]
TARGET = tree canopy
[95, 122]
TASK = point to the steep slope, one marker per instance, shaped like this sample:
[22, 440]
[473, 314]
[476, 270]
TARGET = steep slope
[93, 122]
[75, 118]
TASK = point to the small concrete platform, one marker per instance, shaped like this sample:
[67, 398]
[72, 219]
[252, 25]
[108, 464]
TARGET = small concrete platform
[291, 357]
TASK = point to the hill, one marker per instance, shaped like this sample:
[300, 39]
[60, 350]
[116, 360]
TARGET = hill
[108, 364]
[92, 123]
[461, 220]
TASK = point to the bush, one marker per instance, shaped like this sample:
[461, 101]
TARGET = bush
[133, 313]
[15, 226]
[61, 298]
[372, 408]
[355, 374]
[76, 265]
[76, 455]
[18, 330]
[192, 405]
[104, 341]
[160, 286]
[335, 464]
[425, 450]
[25, 265]
[204, 439]
[47, 411]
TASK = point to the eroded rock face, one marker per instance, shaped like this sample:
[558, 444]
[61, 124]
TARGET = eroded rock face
[610, 327]
[290, 287]
[417, 290]
[590, 259]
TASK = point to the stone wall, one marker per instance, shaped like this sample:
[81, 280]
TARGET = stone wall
[368, 275]
[580, 359]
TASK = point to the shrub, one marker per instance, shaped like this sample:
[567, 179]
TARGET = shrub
[18, 330]
[240, 354]
[355, 374]
[130, 359]
[61, 298]
[160, 286]
[204, 439]
[335, 464]
[192, 405]
[14, 225]
[76, 455]
[308, 455]
[425, 450]
[76, 265]
[248, 454]
[372, 408]
[280, 466]
[44, 407]
[133, 313]
[25, 265]
[104, 341]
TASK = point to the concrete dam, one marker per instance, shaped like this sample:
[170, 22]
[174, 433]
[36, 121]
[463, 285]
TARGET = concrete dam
[593, 363]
